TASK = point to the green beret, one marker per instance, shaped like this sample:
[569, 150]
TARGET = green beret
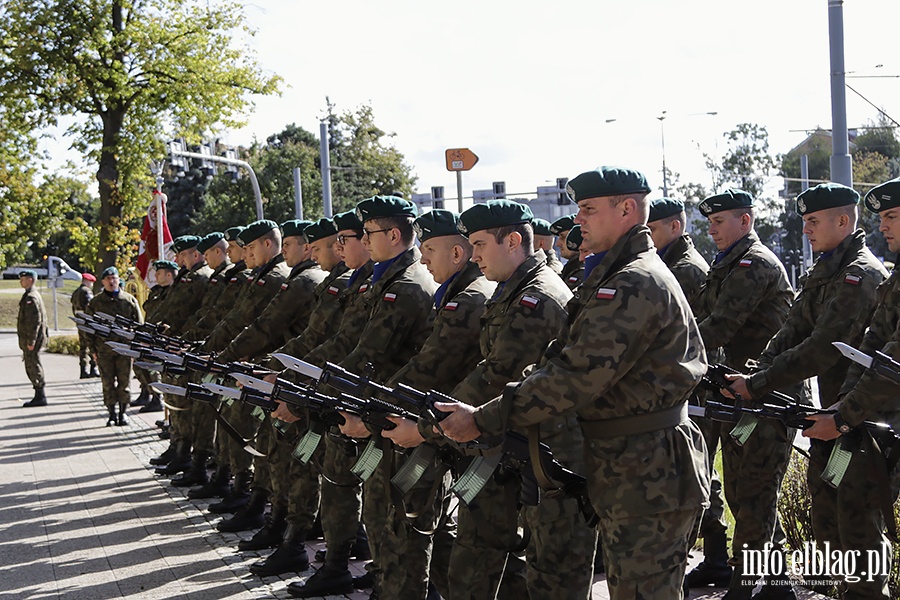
[255, 230]
[294, 228]
[320, 230]
[607, 181]
[541, 226]
[728, 200]
[562, 224]
[232, 233]
[210, 240]
[436, 223]
[348, 220]
[884, 197]
[574, 238]
[825, 195]
[28, 273]
[166, 264]
[493, 213]
[109, 271]
[378, 207]
[185, 242]
[663, 208]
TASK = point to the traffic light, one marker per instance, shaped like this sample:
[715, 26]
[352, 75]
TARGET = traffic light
[499, 190]
[437, 196]
[561, 183]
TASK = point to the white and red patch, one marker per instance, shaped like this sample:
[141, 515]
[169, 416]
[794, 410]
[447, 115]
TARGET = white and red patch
[605, 293]
[529, 301]
[260, 282]
[363, 288]
[852, 279]
[745, 262]
[451, 306]
[390, 297]
[573, 279]
[333, 290]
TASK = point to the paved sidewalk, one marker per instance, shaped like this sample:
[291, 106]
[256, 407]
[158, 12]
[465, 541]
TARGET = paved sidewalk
[84, 516]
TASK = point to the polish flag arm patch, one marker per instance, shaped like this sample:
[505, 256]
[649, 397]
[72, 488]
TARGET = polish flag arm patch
[363, 288]
[451, 306]
[390, 297]
[852, 279]
[284, 286]
[333, 290]
[745, 262]
[529, 301]
[606, 293]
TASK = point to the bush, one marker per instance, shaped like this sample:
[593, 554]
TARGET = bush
[63, 344]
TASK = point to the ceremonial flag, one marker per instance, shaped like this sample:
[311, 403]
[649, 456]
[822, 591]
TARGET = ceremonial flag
[149, 250]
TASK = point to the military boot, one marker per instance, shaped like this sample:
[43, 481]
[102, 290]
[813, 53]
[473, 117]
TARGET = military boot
[776, 588]
[39, 399]
[272, 533]
[237, 498]
[197, 474]
[154, 405]
[289, 557]
[714, 570]
[112, 420]
[143, 398]
[94, 372]
[251, 516]
[333, 578]
[165, 458]
[218, 486]
[180, 462]
[359, 550]
[84, 372]
[121, 420]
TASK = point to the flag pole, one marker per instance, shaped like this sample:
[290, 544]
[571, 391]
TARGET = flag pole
[159, 226]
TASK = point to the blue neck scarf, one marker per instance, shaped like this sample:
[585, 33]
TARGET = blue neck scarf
[381, 267]
[592, 262]
[439, 294]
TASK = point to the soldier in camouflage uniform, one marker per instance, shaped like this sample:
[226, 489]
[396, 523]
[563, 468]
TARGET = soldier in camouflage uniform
[544, 243]
[450, 352]
[31, 327]
[626, 361]
[166, 271]
[852, 516]
[573, 271]
[744, 302]
[666, 223]
[115, 369]
[80, 298]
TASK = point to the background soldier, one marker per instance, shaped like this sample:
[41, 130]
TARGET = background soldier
[165, 275]
[80, 298]
[573, 271]
[545, 243]
[31, 327]
[115, 369]
[744, 303]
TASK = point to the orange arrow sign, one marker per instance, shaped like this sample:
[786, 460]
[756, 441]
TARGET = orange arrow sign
[460, 159]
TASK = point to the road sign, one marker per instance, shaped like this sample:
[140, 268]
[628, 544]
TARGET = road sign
[460, 159]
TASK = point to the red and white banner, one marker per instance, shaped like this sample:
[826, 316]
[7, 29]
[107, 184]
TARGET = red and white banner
[149, 248]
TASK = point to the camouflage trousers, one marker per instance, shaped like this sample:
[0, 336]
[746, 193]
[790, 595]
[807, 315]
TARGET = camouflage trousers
[144, 376]
[298, 482]
[418, 537]
[341, 499]
[202, 426]
[713, 520]
[849, 517]
[33, 368]
[239, 416]
[179, 420]
[84, 352]
[115, 377]
[376, 503]
[752, 476]
[262, 465]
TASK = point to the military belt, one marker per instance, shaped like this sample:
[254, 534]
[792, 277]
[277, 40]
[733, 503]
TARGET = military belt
[636, 424]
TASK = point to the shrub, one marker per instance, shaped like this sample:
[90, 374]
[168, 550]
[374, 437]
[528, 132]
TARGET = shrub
[63, 344]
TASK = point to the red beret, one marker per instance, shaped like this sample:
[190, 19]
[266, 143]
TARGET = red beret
[88, 277]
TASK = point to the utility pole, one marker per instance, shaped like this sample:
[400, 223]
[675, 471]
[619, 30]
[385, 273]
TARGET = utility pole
[841, 162]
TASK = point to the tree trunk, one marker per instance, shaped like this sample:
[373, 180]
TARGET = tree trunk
[110, 194]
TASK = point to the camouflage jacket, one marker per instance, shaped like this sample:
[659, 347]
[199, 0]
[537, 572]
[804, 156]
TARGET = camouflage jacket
[154, 302]
[213, 290]
[399, 314]
[835, 303]
[553, 261]
[325, 318]
[31, 324]
[286, 315]
[573, 273]
[744, 302]
[250, 303]
[123, 304]
[80, 298]
[687, 265]
[353, 316]
[867, 396]
[630, 346]
[452, 349]
[226, 288]
[184, 297]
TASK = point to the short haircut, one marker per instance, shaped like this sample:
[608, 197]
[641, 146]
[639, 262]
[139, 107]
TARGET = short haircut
[274, 235]
[403, 223]
[523, 229]
[746, 210]
[640, 199]
[679, 216]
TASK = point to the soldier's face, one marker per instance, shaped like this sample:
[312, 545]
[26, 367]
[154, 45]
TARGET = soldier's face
[325, 253]
[295, 250]
[165, 277]
[496, 260]
[438, 257]
[111, 283]
[26, 282]
[560, 245]
[823, 229]
[235, 252]
[725, 228]
[352, 251]
[214, 257]
[664, 231]
[253, 253]
[380, 241]
[890, 228]
[599, 221]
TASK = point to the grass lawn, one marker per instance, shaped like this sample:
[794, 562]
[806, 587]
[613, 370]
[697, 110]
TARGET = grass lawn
[11, 292]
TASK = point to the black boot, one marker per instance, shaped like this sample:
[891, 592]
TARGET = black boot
[289, 557]
[122, 420]
[94, 372]
[714, 570]
[359, 550]
[84, 373]
[165, 458]
[197, 474]
[316, 532]
[154, 405]
[365, 581]
[218, 486]
[328, 580]
[776, 588]
[180, 462]
[237, 498]
[251, 516]
[39, 399]
[112, 420]
[272, 533]
[143, 398]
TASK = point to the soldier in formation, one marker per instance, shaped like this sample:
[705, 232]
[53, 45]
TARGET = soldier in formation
[31, 328]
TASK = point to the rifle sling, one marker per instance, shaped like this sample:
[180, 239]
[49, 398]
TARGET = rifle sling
[635, 424]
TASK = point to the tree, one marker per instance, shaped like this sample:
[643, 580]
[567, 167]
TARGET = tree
[126, 71]
[817, 148]
[747, 163]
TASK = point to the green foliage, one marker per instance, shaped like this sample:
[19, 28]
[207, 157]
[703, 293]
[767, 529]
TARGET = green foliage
[746, 163]
[874, 168]
[817, 148]
[63, 344]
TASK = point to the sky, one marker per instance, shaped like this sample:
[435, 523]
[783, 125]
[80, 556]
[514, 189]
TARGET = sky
[530, 86]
